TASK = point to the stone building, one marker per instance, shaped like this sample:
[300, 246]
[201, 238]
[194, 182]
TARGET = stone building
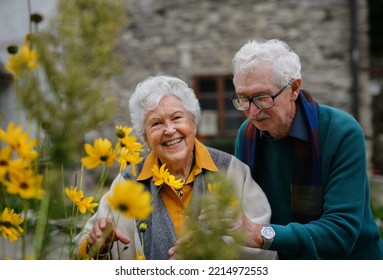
[196, 40]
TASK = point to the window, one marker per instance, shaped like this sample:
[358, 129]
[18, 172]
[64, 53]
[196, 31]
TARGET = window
[219, 118]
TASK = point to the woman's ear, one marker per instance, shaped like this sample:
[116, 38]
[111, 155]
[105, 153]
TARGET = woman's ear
[195, 126]
[146, 140]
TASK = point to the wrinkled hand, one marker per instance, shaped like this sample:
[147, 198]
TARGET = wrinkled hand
[172, 253]
[252, 231]
[211, 214]
[243, 224]
[183, 242]
[103, 234]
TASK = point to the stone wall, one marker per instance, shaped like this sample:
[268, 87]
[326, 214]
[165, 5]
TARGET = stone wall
[195, 37]
[186, 38]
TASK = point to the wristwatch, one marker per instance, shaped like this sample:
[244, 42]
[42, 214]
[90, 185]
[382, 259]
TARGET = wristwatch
[267, 234]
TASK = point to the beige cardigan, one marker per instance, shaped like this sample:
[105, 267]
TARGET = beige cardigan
[253, 201]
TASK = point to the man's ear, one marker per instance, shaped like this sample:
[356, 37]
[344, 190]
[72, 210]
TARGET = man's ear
[295, 88]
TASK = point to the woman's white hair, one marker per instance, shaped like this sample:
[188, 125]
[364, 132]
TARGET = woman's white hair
[275, 54]
[150, 92]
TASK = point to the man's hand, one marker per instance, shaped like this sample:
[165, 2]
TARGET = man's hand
[252, 231]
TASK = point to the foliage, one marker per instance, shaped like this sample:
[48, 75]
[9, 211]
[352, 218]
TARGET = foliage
[60, 79]
[208, 239]
[76, 56]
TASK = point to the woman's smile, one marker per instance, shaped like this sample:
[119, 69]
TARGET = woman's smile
[170, 134]
[172, 143]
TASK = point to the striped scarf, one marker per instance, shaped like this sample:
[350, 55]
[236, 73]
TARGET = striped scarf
[306, 188]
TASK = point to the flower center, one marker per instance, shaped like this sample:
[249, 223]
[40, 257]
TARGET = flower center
[123, 207]
[120, 134]
[104, 158]
[6, 224]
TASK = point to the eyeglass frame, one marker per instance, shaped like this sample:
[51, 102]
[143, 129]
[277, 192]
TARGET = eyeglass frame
[251, 99]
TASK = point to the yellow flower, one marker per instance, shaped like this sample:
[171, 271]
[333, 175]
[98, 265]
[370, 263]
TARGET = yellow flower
[131, 199]
[126, 157]
[18, 141]
[130, 143]
[139, 256]
[127, 141]
[86, 204]
[26, 57]
[143, 227]
[74, 195]
[215, 189]
[77, 197]
[100, 153]
[162, 175]
[176, 184]
[122, 132]
[10, 224]
[5, 158]
[27, 185]
[12, 167]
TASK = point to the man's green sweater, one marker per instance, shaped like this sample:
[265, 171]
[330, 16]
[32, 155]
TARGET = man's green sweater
[347, 229]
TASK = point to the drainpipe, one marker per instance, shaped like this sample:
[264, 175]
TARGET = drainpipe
[354, 57]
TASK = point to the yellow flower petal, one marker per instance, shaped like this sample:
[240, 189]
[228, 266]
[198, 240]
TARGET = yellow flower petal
[86, 205]
[27, 185]
[10, 224]
[176, 184]
[19, 141]
[74, 195]
[130, 199]
[25, 58]
[126, 157]
[100, 153]
[139, 256]
[162, 175]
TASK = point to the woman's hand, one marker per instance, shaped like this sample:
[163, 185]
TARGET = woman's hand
[172, 253]
[103, 234]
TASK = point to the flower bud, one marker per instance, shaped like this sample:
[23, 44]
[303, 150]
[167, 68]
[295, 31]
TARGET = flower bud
[12, 49]
[36, 18]
[120, 133]
[143, 227]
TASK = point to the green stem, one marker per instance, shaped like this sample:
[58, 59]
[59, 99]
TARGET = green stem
[42, 220]
[142, 243]
[65, 211]
[30, 13]
[118, 247]
[23, 239]
[101, 182]
[3, 197]
[72, 230]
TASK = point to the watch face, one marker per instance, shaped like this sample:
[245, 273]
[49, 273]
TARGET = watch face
[268, 232]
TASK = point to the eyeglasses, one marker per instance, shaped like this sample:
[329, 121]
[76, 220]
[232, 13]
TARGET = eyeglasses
[261, 101]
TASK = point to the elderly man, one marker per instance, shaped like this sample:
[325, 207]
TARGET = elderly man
[308, 158]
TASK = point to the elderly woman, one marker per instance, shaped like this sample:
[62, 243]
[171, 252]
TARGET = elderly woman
[165, 113]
